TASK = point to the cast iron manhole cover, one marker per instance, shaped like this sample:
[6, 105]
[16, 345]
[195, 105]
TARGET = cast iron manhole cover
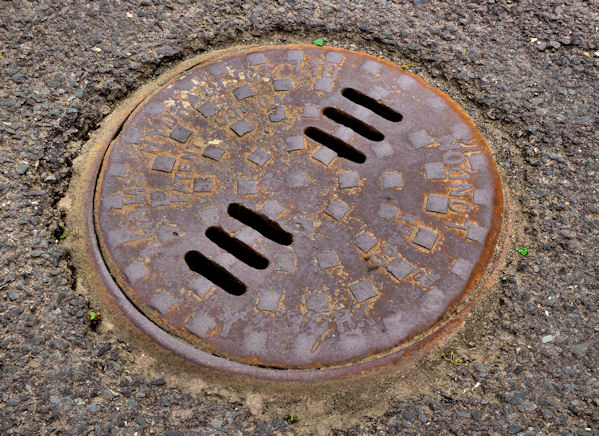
[296, 208]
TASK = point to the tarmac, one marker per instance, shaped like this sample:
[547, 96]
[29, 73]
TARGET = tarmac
[527, 74]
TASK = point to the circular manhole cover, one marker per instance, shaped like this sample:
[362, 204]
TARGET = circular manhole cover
[296, 208]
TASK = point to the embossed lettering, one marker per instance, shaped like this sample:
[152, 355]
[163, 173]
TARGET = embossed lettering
[458, 226]
[458, 173]
[463, 206]
[454, 157]
[463, 189]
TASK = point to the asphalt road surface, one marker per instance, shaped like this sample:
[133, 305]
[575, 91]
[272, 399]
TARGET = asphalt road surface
[525, 71]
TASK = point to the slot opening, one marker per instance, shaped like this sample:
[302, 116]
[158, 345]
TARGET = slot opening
[215, 273]
[355, 124]
[370, 103]
[240, 250]
[340, 147]
[265, 226]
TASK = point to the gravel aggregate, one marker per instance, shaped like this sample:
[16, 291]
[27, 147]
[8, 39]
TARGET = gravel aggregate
[526, 71]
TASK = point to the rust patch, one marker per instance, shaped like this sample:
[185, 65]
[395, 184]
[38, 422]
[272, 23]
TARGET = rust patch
[294, 213]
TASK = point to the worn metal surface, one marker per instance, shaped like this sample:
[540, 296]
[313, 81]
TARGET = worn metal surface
[373, 245]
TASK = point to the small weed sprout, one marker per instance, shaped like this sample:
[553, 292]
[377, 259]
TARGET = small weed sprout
[319, 42]
[453, 359]
[291, 418]
[64, 235]
[523, 251]
[94, 319]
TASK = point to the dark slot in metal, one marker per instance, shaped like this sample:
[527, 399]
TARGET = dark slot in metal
[240, 250]
[212, 271]
[340, 147]
[370, 103]
[266, 227]
[355, 124]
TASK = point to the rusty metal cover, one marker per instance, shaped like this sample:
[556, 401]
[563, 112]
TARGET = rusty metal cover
[297, 208]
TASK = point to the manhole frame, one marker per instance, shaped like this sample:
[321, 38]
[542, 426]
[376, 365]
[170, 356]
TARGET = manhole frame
[99, 277]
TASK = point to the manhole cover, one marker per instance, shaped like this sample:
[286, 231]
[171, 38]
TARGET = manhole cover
[296, 208]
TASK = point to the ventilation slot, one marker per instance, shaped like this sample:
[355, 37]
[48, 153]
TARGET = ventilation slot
[260, 223]
[241, 251]
[355, 124]
[370, 103]
[212, 271]
[340, 147]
